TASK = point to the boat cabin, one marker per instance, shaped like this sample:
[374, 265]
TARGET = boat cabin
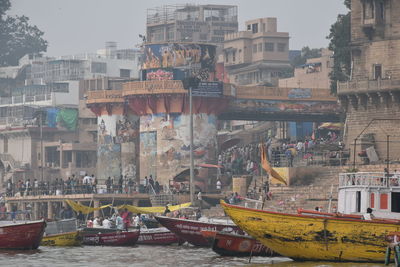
[377, 190]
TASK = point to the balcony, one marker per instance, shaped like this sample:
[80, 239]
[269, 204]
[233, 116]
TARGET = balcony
[153, 87]
[368, 86]
[44, 99]
[368, 180]
[105, 96]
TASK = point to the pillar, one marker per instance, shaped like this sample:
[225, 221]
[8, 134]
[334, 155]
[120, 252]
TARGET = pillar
[165, 143]
[96, 204]
[35, 211]
[118, 146]
[50, 212]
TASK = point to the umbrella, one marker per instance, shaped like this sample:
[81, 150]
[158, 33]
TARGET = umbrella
[230, 143]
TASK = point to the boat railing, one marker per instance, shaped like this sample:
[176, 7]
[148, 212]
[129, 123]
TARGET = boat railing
[369, 179]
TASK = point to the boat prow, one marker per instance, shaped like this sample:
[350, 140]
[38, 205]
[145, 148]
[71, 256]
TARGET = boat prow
[24, 235]
[311, 237]
[69, 239]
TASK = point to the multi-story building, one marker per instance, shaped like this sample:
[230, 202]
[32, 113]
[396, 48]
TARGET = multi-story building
[258, 55]
[371, 97]
[313, 74]
[190, 23]
[46, 131]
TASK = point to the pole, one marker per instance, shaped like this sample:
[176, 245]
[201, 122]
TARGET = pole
[387, 154]
[191, 147]
[354, 155]
[41, 145]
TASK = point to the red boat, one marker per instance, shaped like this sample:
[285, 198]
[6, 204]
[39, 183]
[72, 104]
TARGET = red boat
[226, 244]
[117, 238]
[26, 235]
[157, 236]
[190, 230]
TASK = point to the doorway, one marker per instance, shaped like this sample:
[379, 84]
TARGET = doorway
[395, 202]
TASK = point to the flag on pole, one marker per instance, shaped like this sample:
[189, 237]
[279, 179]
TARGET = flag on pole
[268, 168]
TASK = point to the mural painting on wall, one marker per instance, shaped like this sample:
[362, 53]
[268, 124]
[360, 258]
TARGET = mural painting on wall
[148, 153]
[173, 140]
[108, 152]
[176, 55]
[280, 106]
[127, 129]
[129, 160]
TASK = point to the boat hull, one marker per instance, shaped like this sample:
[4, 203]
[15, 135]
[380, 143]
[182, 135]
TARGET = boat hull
[111, 239]
[236, 245]
[22, 235]
[305, 237]
[157, 236]
[69, 239]
[190, 230]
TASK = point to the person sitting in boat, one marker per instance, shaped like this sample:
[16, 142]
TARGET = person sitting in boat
[97, 223]
[136, 221]
[368, 216]
[106, 223]
[166, 211]
[119, 222]
[89, 223]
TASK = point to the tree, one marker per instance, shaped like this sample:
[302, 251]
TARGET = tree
[340, 38]
[17, 37]
[306, 53]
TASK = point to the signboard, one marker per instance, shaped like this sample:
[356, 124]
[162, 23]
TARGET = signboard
[174, 55]
[208, 89]
[297, 93]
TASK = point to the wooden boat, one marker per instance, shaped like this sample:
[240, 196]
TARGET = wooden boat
[118, 238]
[24, 235]
[310, 237]
[157, 236]
[226, 244]
[69, 239]
[189, 230]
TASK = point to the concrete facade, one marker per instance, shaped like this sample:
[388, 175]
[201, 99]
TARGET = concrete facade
[258, 55]
[372, 96]
[190, 23]
[313, 74]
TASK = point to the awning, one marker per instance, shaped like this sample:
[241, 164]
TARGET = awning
[230, 143]
[205, 165]
[334, 126]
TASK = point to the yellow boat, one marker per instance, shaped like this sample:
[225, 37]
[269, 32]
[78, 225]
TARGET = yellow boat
[63, 239]
[311, 237]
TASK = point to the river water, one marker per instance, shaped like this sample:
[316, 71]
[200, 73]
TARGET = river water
[185, 255]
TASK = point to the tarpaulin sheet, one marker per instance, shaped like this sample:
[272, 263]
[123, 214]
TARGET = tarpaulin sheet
[68, 118]
[52, 117]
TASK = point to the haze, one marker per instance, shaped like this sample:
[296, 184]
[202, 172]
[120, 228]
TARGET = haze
[76, 26]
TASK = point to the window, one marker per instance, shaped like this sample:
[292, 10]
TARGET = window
[395, 202]
[377, 71]
[260, 47]
[358, 201]
[226, 57]
[269, 47]
[124, 73]
[249, 27]
[255, 27]
[281, 47]
[5, 148]
[255, 48]
[234, 56]
[99, 67]
[368, 9]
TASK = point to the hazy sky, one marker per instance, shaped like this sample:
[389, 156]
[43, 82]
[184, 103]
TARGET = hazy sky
[77, 26]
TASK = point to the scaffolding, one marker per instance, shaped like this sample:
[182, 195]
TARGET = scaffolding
[170, 13]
